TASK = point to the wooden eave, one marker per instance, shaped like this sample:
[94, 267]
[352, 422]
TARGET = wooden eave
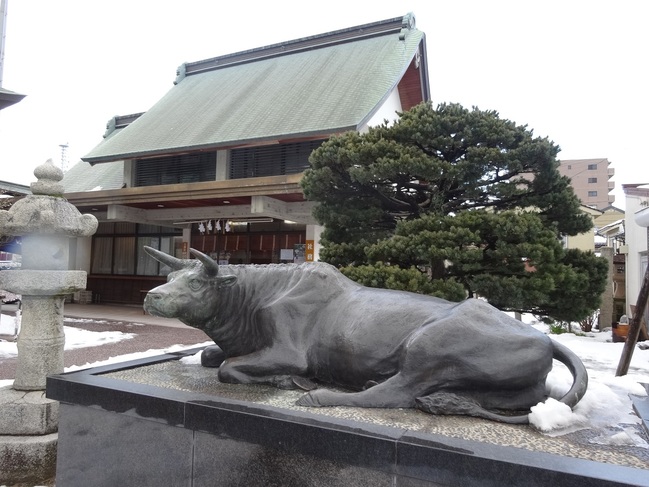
[277, 186]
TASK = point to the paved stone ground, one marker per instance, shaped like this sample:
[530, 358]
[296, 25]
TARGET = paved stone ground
[147, 337]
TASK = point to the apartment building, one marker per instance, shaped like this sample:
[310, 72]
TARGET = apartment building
[591, 180]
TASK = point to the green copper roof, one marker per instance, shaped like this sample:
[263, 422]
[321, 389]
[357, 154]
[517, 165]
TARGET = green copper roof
[313, 86]
[83, 177]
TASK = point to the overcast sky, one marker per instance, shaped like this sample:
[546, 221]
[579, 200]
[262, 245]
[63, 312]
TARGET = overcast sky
[574, 71]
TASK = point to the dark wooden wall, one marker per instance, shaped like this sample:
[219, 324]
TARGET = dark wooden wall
[122, 289]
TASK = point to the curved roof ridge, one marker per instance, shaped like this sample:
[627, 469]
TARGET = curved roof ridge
[305, 93]
[398, 25]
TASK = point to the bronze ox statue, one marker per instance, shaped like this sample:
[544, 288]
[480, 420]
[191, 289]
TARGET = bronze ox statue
[298, 325]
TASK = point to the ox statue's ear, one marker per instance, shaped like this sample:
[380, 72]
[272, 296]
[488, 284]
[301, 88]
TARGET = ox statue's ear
[226, 281]
[209, 264]
[170, 260]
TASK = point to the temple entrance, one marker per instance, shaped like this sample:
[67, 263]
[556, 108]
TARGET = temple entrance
[248, 241]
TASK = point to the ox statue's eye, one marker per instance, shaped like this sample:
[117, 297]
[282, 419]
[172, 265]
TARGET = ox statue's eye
[195, 284]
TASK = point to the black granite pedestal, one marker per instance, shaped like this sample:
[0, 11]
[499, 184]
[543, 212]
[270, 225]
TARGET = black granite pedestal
[116, 428]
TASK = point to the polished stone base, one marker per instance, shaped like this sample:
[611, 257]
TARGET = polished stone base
[159, 422]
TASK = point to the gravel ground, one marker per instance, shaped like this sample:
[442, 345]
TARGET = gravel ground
[147, 337]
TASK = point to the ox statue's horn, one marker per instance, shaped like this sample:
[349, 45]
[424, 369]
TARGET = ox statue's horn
[173, 262]
[209, 264]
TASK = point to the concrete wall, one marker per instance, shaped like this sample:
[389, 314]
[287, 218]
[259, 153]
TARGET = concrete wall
[606, 308]
[583, 241]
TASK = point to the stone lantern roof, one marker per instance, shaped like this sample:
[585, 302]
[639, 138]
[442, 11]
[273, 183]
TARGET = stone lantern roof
[45, 211]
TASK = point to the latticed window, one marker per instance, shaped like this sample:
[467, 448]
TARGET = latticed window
[271, 160]
[185, 168]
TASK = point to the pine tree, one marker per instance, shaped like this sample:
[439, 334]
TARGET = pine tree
[455, 202]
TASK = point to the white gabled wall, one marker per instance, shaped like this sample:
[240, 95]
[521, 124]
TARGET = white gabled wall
[387, 111]
[636, 241]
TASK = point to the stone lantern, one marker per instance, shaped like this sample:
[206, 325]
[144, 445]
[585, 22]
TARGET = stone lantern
[46, 222]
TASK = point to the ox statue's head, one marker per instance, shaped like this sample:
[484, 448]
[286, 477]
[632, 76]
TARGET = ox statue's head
[191, 293]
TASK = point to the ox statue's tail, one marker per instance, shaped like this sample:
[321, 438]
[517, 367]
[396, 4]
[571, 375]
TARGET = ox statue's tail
[576, 367]
[449, 403]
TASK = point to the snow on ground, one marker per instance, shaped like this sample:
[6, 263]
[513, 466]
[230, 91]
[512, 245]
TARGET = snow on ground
[79, 338]
[136, 355]
[74, 337]
[606, 407]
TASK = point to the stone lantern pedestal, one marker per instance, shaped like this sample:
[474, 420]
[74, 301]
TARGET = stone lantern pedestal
[28, 420]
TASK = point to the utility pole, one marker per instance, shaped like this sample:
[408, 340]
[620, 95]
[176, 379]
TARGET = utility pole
[3, 26]
[64, 156]
[7, 98]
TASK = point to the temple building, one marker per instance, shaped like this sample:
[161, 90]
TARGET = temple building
[216, 163]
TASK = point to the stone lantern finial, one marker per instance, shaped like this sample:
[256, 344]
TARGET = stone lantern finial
[49, 177]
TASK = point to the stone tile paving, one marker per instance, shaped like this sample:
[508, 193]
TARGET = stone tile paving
[147, 337]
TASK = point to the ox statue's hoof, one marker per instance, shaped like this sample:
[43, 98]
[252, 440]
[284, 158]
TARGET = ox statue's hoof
[320, 398]
[212, 356]
[290, 382]
[308, 401]
[304, 383]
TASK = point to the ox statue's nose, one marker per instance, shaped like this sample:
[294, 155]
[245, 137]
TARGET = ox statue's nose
[151, 301]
